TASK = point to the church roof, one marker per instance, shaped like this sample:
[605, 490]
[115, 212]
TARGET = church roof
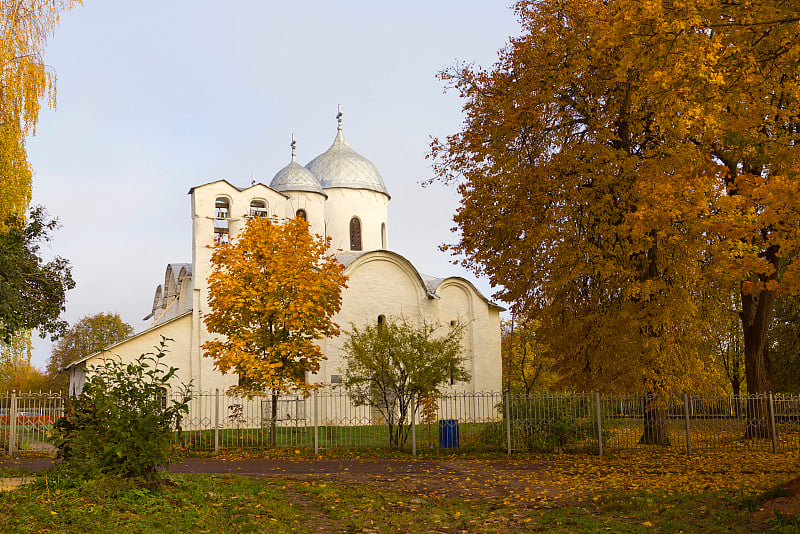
[341, 166]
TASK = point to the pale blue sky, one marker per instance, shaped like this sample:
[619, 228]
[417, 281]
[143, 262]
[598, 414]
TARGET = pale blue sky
[155, 97]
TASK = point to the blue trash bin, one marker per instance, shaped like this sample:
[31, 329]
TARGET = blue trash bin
[448, 433]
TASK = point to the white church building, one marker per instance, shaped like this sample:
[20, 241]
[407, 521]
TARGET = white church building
[343, 196]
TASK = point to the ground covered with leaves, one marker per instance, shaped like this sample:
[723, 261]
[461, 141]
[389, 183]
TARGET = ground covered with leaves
[736, 492]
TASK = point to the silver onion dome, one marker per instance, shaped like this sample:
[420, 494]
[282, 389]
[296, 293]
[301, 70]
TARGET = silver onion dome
[295, 177]
[341, 166]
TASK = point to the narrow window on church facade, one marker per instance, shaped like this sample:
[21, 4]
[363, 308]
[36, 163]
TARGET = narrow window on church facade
[258, 208]
[301, 214]
[355, 234]
[381, 321]
[383, 235]
[221, 214]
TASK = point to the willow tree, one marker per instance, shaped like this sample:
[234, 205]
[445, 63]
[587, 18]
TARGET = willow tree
[620, 155]
[25, 81]
[273, 292]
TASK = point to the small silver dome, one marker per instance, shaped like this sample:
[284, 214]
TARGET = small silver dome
[295, 177]
[341, 166]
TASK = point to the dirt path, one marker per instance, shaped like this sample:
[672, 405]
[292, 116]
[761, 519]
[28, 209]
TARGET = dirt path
[454, 477]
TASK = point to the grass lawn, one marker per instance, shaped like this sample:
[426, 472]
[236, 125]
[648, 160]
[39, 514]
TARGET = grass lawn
[544, 493]
[214, 503]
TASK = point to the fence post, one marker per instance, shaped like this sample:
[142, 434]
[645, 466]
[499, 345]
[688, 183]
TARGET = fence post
[413, 427]
[772, 427]
[316, 422]
[508, 422]
[686, 418]
[12, 431]
[216, 421]
[599, 423]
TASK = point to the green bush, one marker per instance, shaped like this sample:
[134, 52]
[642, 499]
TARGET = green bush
[542, 423]
[122, 422]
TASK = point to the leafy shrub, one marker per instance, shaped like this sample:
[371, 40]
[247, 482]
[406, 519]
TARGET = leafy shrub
[122, 422]
[540, 423]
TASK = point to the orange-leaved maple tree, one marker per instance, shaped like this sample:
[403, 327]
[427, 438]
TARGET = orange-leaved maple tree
[273, 292]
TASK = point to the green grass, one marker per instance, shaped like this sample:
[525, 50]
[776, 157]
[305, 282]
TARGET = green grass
[233, 504]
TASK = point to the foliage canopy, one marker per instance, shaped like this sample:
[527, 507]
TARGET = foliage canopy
[25, 80]
[16, 371]
[272, 293]
[32, 293]
[90, 334]
[618, 158]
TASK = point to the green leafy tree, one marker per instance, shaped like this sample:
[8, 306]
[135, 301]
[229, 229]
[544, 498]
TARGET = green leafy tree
[123, 420]
[32, 292]
[392, 363]
[87, 336]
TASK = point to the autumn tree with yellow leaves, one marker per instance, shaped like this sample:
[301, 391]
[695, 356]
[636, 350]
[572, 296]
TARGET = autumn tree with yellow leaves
[525, 366]
[25, 81]
[617, 159]
[273, 292]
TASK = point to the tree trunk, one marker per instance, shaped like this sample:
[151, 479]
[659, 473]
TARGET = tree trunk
[756, 313]
[655, 422]
[273, 430]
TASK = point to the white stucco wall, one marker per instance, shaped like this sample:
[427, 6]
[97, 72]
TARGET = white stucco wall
[314, 206]
[178, 351]
[370, 207]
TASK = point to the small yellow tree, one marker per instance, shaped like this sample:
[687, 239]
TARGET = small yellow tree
[273, 292]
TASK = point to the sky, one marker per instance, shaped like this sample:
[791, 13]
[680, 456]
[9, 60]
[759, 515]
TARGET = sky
[155, 97]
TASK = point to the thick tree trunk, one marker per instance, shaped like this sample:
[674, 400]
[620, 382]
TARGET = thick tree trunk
[655, 422]
[756, 313]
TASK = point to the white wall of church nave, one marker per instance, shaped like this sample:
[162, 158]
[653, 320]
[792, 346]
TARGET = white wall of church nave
[178, 350]
[460, 301]
[455, 306]
[370, 207]
[377, 286]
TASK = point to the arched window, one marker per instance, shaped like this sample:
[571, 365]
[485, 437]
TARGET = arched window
[258, 208]
[222, 209]
[355, 234]
[383, 235]
[381, 321]
[301, 214]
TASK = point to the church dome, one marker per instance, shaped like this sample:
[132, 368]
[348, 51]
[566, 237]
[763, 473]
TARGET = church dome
[341, 166]
[295, 177]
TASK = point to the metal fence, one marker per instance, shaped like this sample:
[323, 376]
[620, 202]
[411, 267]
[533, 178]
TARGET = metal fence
[26, 421]
[328, 419]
